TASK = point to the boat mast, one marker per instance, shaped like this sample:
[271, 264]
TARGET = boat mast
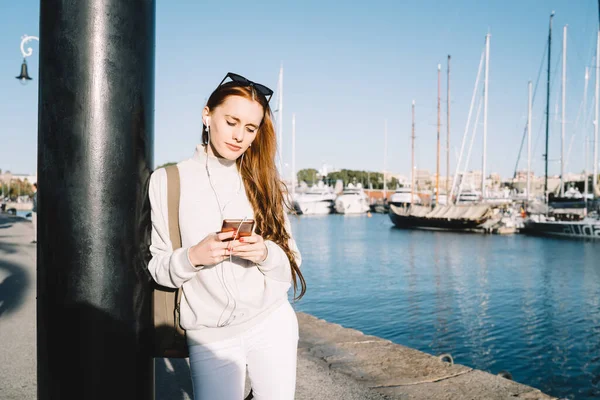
[529, 144]
[485, 108]
[562, 131]
[384, 159]
[280, 118]
[595, 159]
[548, 107]
[412, 158]
[293, 155]
[448, 135]
[585, 137]
[437, 174]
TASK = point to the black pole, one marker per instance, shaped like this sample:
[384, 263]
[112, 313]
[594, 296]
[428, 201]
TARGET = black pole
[95, 135]
[548, 106]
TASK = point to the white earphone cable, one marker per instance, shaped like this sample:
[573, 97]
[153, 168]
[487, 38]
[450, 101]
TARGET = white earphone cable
[221, 211]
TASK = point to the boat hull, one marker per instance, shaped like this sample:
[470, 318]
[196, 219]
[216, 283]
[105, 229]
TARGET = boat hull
[564, 229]
[410, 222]
[314, 207]
[402, 218]
[351, 206]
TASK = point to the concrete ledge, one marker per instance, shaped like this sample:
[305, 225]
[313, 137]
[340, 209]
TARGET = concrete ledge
[399, 372]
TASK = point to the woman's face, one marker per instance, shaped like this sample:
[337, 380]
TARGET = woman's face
[233, 126]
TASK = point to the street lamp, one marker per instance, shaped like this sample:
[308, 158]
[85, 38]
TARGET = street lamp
[24, 76]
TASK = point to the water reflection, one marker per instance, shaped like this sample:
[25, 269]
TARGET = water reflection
[414, 309]
[527, 305]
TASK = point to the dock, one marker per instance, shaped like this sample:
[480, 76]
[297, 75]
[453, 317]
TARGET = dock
[334, 362]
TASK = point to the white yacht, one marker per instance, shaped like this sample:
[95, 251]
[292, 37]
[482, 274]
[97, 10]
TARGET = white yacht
[319, 199]
[402, 197]
[499, 196]
[469, 196]
[353, 200]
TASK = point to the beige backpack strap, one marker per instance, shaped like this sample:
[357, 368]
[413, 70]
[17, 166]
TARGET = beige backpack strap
[169, 337]
[173, 192]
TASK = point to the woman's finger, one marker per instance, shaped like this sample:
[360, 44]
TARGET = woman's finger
[245, 248]
[245, 242]
[222, 255]
[250, 239]
[221, 245]
[226, 235]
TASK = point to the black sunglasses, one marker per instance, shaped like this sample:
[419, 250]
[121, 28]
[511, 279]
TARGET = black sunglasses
[262, 89]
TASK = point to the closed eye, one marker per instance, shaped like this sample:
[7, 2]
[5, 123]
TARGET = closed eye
[230, 123]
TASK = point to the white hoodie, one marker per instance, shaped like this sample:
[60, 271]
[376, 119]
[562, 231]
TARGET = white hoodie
[223, 300]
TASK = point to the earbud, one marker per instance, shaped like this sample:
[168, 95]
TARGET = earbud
[207, 122]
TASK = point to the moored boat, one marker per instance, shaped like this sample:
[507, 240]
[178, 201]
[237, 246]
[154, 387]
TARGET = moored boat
[353, 200]
[467, 218]
[319, 199]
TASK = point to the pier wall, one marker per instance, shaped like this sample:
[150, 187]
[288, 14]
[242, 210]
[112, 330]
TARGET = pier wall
[399, 372]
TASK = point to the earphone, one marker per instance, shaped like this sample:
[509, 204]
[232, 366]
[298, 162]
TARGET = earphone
[231, 316]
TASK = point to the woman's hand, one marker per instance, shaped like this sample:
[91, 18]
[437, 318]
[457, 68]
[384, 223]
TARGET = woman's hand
[212, 249]
[251, 248]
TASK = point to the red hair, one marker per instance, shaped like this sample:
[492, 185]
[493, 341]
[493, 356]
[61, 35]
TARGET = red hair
[264, 188]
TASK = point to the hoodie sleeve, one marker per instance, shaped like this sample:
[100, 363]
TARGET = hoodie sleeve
[168, 268]
[277, 265]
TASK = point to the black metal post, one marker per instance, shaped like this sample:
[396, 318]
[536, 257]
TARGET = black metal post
[96, 105]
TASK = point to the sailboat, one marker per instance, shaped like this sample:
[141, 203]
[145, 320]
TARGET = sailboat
[568, 222]
[450, 217]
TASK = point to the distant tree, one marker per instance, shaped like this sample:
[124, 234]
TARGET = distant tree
[363, 177]
[308, 175]
[375, 179]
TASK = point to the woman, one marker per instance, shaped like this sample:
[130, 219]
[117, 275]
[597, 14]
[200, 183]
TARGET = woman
[234, 307]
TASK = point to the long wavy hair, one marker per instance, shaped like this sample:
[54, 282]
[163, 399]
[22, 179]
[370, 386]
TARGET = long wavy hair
[264, 188]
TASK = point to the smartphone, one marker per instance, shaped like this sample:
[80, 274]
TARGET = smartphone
[244, 227]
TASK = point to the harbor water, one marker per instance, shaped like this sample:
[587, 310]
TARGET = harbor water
[526, 305]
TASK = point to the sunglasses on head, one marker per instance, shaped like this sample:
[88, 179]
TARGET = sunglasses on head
[262, 89]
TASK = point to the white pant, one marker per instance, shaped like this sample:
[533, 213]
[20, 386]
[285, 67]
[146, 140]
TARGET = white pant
[269, 350]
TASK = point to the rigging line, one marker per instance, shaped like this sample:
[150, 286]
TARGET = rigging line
[474, 133]
[592, 48]
[579, 51]
[586, 123]
[532, 102]
[462, 146]
[581, 116]
[558, 59]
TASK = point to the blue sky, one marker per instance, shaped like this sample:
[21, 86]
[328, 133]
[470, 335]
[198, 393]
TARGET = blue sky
[346, 70]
